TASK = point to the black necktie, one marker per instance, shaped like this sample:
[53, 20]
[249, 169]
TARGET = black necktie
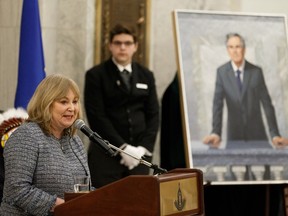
[126, 78]
[239, 82]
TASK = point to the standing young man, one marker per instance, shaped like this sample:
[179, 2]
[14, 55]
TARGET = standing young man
[122, 106]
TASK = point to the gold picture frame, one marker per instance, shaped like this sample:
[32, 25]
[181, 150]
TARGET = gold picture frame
[111, 12]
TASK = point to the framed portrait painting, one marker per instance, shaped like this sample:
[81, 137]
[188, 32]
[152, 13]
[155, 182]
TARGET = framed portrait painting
[201, 41]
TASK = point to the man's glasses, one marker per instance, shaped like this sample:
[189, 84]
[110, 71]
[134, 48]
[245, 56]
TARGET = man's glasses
[125, 43]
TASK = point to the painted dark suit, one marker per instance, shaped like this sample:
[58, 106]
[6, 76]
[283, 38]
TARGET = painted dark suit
[244, 113]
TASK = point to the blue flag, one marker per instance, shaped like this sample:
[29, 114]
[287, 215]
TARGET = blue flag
[31, 58]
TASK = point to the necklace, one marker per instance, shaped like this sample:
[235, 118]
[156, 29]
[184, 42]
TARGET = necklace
[58, 141]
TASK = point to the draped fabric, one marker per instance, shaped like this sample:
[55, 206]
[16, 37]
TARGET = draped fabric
[31, 57]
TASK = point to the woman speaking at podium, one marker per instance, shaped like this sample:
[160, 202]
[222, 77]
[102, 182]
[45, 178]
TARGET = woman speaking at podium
[44, 154]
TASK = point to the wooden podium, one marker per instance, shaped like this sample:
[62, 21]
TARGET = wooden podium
[178, 192]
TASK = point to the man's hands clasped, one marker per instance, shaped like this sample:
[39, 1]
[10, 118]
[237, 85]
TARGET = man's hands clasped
[129, 161]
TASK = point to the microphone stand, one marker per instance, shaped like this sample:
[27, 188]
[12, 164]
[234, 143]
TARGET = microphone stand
[157, 170]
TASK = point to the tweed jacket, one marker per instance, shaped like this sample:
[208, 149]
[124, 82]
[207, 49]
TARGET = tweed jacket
[38, 169]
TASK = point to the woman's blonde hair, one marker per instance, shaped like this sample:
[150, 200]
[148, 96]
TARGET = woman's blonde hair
[52, 88]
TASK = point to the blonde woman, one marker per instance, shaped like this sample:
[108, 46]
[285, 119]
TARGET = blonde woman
[44, 153]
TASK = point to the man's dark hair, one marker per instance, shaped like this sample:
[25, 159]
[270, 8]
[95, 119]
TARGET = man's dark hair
[121, 29]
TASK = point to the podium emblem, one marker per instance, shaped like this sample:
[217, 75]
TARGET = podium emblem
[180, 202]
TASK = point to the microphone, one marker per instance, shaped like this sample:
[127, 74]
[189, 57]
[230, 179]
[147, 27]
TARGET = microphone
[93, 136]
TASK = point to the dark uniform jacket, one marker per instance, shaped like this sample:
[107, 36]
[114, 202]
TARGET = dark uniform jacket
[118, 115]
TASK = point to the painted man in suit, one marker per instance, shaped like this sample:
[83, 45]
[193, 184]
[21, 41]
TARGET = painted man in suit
[123, 109]
[242, 85]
